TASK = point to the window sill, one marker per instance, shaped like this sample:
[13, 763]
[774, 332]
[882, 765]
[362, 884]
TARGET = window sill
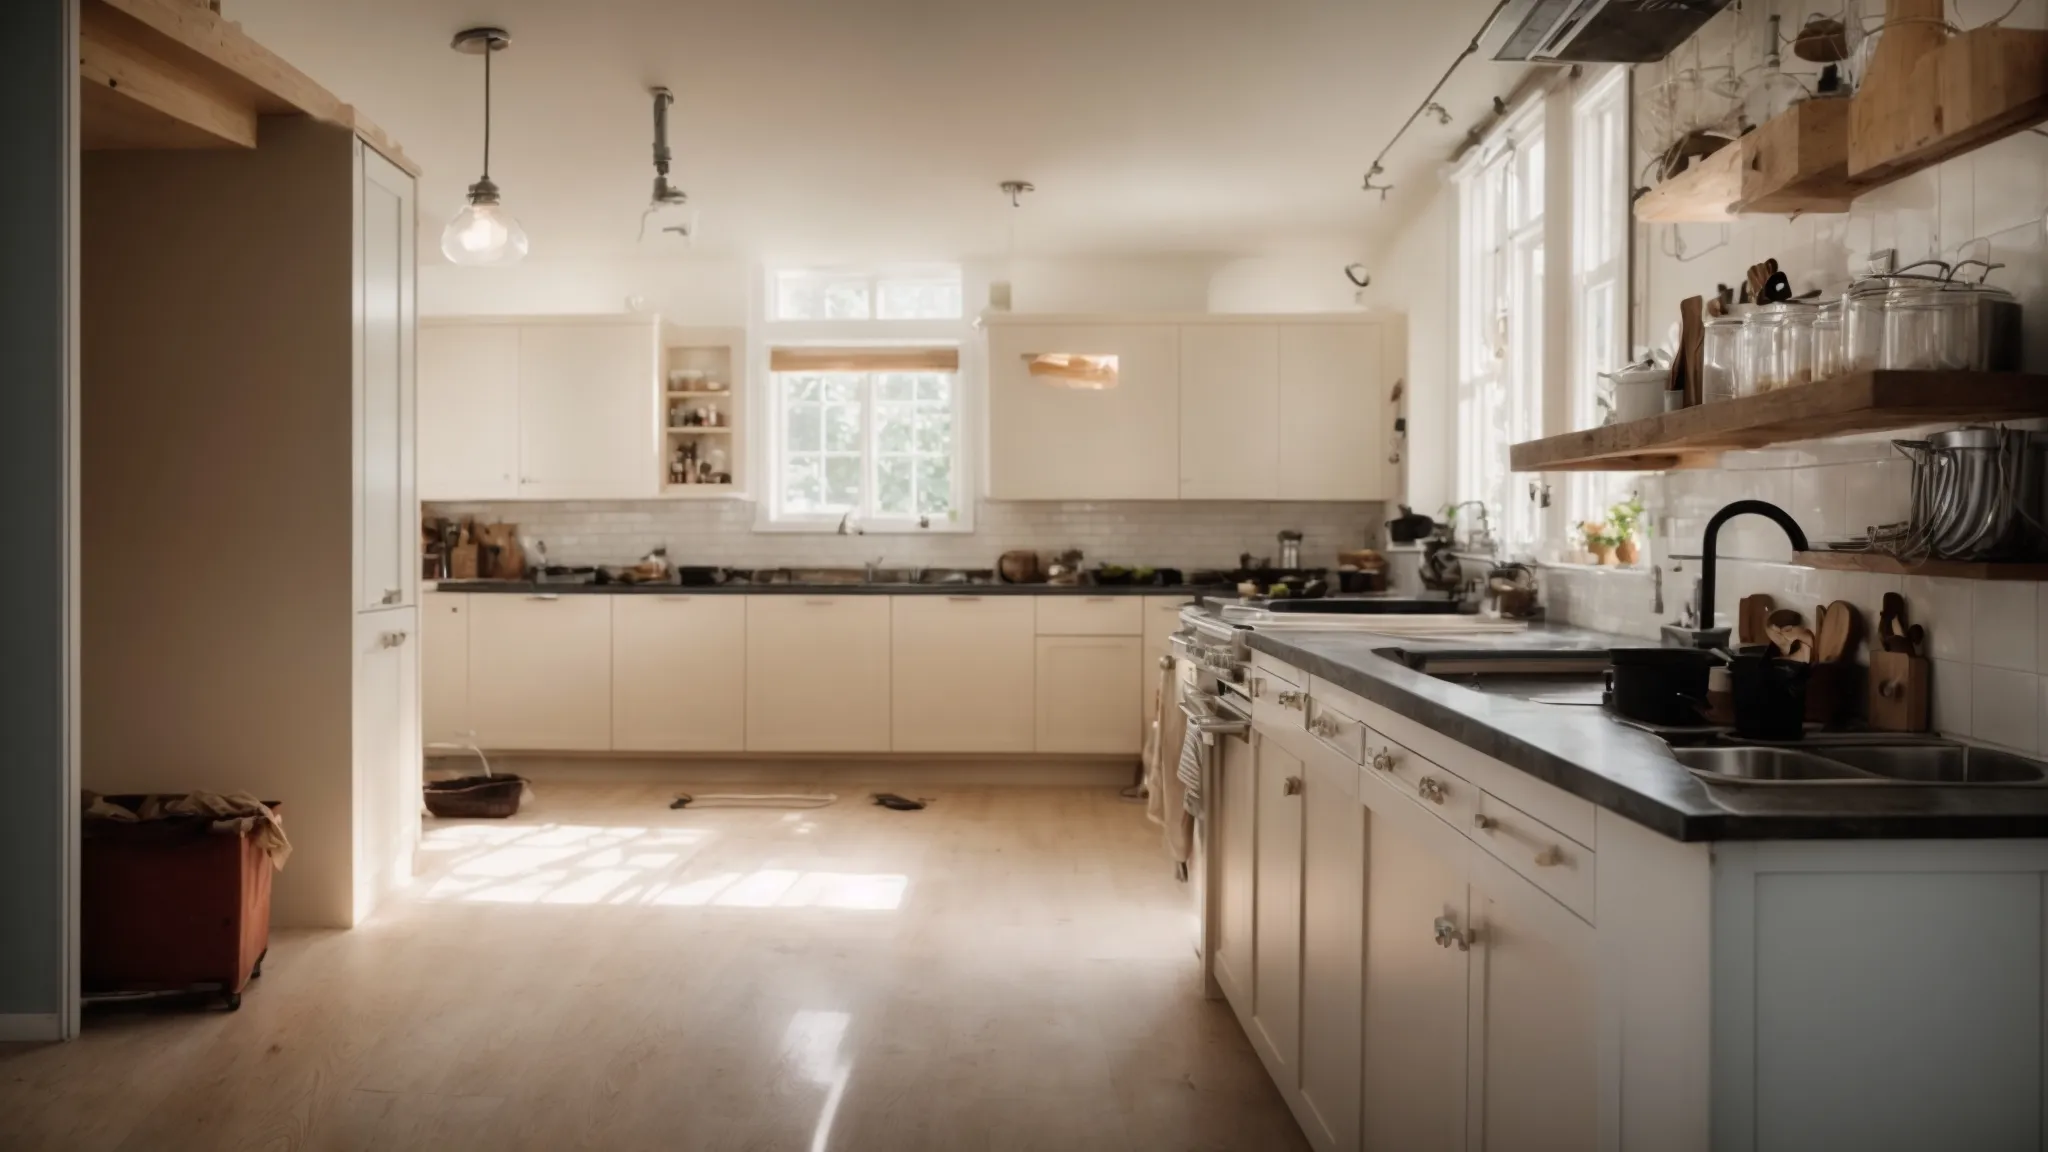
[1637, 569]
[831, 528]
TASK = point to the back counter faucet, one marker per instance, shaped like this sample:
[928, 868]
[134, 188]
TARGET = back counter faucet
[1728, 512]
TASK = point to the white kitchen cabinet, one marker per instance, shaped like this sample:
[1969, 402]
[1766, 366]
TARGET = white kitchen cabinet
[589, 409]
[962, 671]
[444, 668]
[1050, 442]
[387, 752]
[468, 411]
[1332, 950]
[1333, 412]
[386, 504]
[1162, 620]
[679, 673]
[1416, 978]
[540, 671]
[818, 674]
[1276, 916]
[1534, 1056]
[1230, 412]
[1233, 836]
[1089, 693]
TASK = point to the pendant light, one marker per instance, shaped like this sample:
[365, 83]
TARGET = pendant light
[483, 233]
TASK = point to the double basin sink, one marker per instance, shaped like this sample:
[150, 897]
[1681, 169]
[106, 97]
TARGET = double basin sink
[1862, 761]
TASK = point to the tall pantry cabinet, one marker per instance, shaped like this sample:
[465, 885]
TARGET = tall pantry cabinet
[249, 551]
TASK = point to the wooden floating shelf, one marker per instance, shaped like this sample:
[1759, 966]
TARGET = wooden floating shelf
[704, 430]
[720, 395]
[1951, 569]
[1797, 162]
[1858, 402]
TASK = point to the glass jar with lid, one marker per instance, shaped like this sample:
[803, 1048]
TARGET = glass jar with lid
[1979, 329]
[1828, 351]
[1791, 327]
[1721, 358]
[1916, 323]
[1863, 325]
[1753, 350]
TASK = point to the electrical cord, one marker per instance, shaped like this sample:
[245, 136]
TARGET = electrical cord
[1378, 166]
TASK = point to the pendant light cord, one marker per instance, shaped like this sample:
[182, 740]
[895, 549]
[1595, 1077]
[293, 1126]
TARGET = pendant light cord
[488, 50]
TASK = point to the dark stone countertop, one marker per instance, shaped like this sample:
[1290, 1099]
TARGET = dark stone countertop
[529, 588]
[1627, 771]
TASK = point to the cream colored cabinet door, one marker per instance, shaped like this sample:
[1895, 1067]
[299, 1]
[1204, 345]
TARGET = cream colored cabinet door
[1230, 412]
[468, 411]
[1050, 442]
[1535, 1050]
[589, 410]
[387, 505]
[444, 668]
[387, 754]
[1415, 977]
[962, 672]
[1089, 694]
[1232, 829]
[540, 671]
[1162, 620]
[1334, 400]
[1276, 917]
[1332, 950]
[818, 673]
[679, 673]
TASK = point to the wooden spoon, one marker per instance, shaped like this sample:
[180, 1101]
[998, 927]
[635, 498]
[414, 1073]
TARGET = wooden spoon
[1750, 614]
[1778, 628]
[1841, 626]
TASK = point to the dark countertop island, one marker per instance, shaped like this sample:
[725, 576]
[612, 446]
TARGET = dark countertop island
[1584, 752]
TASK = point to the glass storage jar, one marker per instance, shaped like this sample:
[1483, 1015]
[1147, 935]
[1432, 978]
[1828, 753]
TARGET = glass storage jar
[1827, 341]
[1979, 330]
[1863, 325]
[1753, 356]
[1916, 323]
[1791, 325]
[1721, 358]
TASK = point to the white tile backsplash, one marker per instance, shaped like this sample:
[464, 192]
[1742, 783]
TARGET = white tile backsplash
[1951, 697]
[2003, 626]
[2002, 707]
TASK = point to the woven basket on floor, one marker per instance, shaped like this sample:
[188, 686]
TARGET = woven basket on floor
[491, 797]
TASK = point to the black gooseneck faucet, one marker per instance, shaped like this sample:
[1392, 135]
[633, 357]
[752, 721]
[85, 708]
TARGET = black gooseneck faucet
[1728, 512]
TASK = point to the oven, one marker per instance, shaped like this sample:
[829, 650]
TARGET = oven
[1214, 697]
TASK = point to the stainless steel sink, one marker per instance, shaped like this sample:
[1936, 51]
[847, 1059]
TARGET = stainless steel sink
[1363, 606]
[1766, 766]
[1941, 764]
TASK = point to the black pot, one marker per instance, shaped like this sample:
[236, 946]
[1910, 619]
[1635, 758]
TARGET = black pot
[1664, 686]
[1409, 526]
[1770, 696]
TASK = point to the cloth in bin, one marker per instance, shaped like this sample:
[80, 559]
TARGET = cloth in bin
[235, 812]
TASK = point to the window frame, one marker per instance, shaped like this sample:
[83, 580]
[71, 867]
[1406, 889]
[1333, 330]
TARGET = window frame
[873, 279]
[1601, 258]
[775, 517]
[767, 437]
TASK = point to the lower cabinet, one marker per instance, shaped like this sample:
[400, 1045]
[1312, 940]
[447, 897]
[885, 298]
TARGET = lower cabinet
[387, 753]
[1535, 1080]
[1089, 688]
[817, 673]
[961, 673]
[444, 668]
[1416, 962]
[1276, 915]
[540, 672]
[1232, 830]
[679, 673]
[1333, 882]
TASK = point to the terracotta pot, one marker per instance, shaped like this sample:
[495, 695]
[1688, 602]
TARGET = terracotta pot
[1603, 554]
[1625, 552]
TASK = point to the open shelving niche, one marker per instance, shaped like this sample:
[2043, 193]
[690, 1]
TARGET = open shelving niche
[719, 353]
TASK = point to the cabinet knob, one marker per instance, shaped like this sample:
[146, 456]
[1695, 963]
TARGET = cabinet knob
[1550, 857]
[1323, 726]
[1292, 786]
[393, 595]
[1294, 700]
[1448, 935]
[1484, 823]
[1383, 760]
[1432, 789]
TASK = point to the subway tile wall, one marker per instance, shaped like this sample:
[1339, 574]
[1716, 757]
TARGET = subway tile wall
[1988, 641]
[1175, 534]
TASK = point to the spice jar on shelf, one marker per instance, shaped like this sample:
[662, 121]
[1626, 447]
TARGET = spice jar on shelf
[1721, 358]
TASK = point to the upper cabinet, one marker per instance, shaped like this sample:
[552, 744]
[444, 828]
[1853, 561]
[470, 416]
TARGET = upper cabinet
[388, 546]
[541, 408]
[1063, 438]
[1198, 408]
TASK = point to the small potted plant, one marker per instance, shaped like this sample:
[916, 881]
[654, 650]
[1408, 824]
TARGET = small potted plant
[1624, 522]
[1599, 541]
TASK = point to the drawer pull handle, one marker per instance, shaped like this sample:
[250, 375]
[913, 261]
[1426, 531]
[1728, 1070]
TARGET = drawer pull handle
[1485, 823]
[1101, 599]
[1550, 857]
[1383, 760]
[1292, 786]
[546, 596]
[1448, 936]
[1294, 700]
[1432, 790]
[964, 599]
[677, 599]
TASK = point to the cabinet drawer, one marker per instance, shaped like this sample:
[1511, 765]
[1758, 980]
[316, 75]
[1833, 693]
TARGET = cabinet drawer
[1544, 856]
[1279, 706]
[1272, 668]
[1449, 796]
[1337, 731]
[1091, 616]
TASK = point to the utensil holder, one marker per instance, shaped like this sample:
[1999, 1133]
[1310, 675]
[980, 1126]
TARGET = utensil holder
[1829, 691]
[1770, 697]
[1898, 692]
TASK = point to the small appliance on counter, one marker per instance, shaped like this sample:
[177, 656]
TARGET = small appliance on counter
[1020, 568]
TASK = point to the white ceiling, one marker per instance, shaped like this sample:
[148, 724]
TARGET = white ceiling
[826, 130]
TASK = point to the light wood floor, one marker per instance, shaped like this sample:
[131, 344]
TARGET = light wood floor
[1008, 969]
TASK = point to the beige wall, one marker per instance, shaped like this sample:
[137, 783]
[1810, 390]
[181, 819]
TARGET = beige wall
[217, 486]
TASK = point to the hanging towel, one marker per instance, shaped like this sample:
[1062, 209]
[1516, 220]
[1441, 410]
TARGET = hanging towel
[1194, 754]
[1153, 759]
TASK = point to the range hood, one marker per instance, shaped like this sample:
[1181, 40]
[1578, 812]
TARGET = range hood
[1594, 31]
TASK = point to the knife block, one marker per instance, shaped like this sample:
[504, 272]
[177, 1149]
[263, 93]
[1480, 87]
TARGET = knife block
[1898, 692]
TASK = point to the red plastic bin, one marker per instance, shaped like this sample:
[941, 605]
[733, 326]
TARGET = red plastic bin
[170, 905]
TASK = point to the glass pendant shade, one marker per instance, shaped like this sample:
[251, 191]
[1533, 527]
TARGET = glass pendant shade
[485, 235]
